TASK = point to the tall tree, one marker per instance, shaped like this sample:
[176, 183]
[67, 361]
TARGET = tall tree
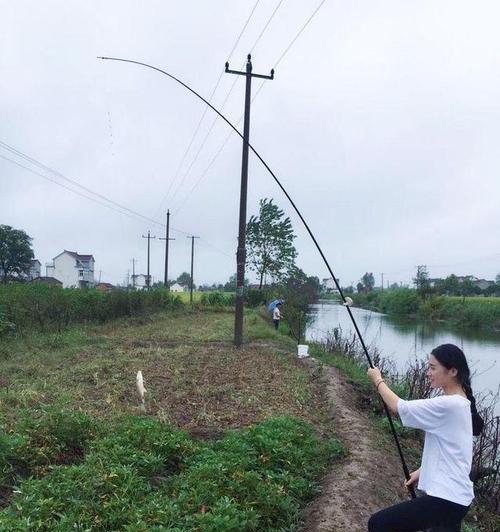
[270, 237]
[230, 286]
[368, 281]
[15, 253]
[422, 282]
[184, 279]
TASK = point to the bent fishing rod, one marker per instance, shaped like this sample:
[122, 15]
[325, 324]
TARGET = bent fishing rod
[299, 214]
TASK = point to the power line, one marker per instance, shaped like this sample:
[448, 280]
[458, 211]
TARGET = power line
[292, 42]
[109, 206]
[266, 26]
[179, 186]
[241, 32]
[131, 214]
[205, 110]
[61, 176]
[204, 173]
[111, 203]
[216, 248]
[287, 49]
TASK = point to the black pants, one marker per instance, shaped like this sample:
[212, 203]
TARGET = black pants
[419, 514]
[276, 324]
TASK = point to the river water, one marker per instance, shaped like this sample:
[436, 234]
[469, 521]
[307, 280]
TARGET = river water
[402, 340]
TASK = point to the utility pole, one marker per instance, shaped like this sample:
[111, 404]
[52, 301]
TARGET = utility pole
[133, 273]
[241, 252]
[128, 279]
[382, 282]
[192, 262]
[167, 238]
[148, 277]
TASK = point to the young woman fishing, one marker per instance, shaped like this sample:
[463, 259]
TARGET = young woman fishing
[449, 421]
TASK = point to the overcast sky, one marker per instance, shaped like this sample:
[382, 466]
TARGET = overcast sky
[383, 122]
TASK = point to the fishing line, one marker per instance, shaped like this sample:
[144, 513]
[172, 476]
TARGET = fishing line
[266, 166]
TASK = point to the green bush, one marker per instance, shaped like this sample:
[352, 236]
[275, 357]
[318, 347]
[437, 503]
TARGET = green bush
[144, 445]
[140, 475]
[255, 298]
[404, 301]
[41, 307]
[53, 436]
[217, 299]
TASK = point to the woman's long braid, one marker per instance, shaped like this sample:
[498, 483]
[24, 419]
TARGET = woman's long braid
[477, 420]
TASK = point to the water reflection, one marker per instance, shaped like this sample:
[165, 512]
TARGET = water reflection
[402, 339]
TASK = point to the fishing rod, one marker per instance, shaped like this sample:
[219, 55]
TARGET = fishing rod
[266, 166]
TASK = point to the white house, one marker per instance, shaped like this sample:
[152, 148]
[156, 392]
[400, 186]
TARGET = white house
[176, 287]
[72, 269]
[139, 281]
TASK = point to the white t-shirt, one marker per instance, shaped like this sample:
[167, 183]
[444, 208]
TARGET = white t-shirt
[276, 313]
[447, 456]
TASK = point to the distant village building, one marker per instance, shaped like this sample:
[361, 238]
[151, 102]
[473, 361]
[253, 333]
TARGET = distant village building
[139, 281]
[72, 269]
[176, 287]
[104, 287]
[483, 284]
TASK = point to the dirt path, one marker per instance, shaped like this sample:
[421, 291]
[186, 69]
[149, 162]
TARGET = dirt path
[366, 480]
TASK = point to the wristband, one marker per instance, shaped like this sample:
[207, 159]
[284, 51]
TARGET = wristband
[379, 383]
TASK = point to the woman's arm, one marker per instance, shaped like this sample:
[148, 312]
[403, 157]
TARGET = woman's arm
[388, 396]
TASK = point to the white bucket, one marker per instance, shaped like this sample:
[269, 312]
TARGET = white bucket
[302, 351]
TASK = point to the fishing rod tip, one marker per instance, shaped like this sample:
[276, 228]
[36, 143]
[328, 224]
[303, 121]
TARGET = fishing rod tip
[348, 302]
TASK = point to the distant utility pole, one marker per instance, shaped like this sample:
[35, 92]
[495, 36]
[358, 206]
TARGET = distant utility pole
[133, 273]
[167, 238]
[128, 279]
[148, 277]
[241, 252]
[192, 262]
[382, 282]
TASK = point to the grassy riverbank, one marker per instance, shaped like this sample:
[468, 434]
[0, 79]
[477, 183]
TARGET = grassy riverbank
[471, 312]
[229, 440]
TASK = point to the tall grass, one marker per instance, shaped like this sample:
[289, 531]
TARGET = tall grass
[26, 307]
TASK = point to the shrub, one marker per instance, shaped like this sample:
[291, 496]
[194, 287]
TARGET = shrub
[255, 298]
[217, 299]
[29, 306]
[53, 436]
